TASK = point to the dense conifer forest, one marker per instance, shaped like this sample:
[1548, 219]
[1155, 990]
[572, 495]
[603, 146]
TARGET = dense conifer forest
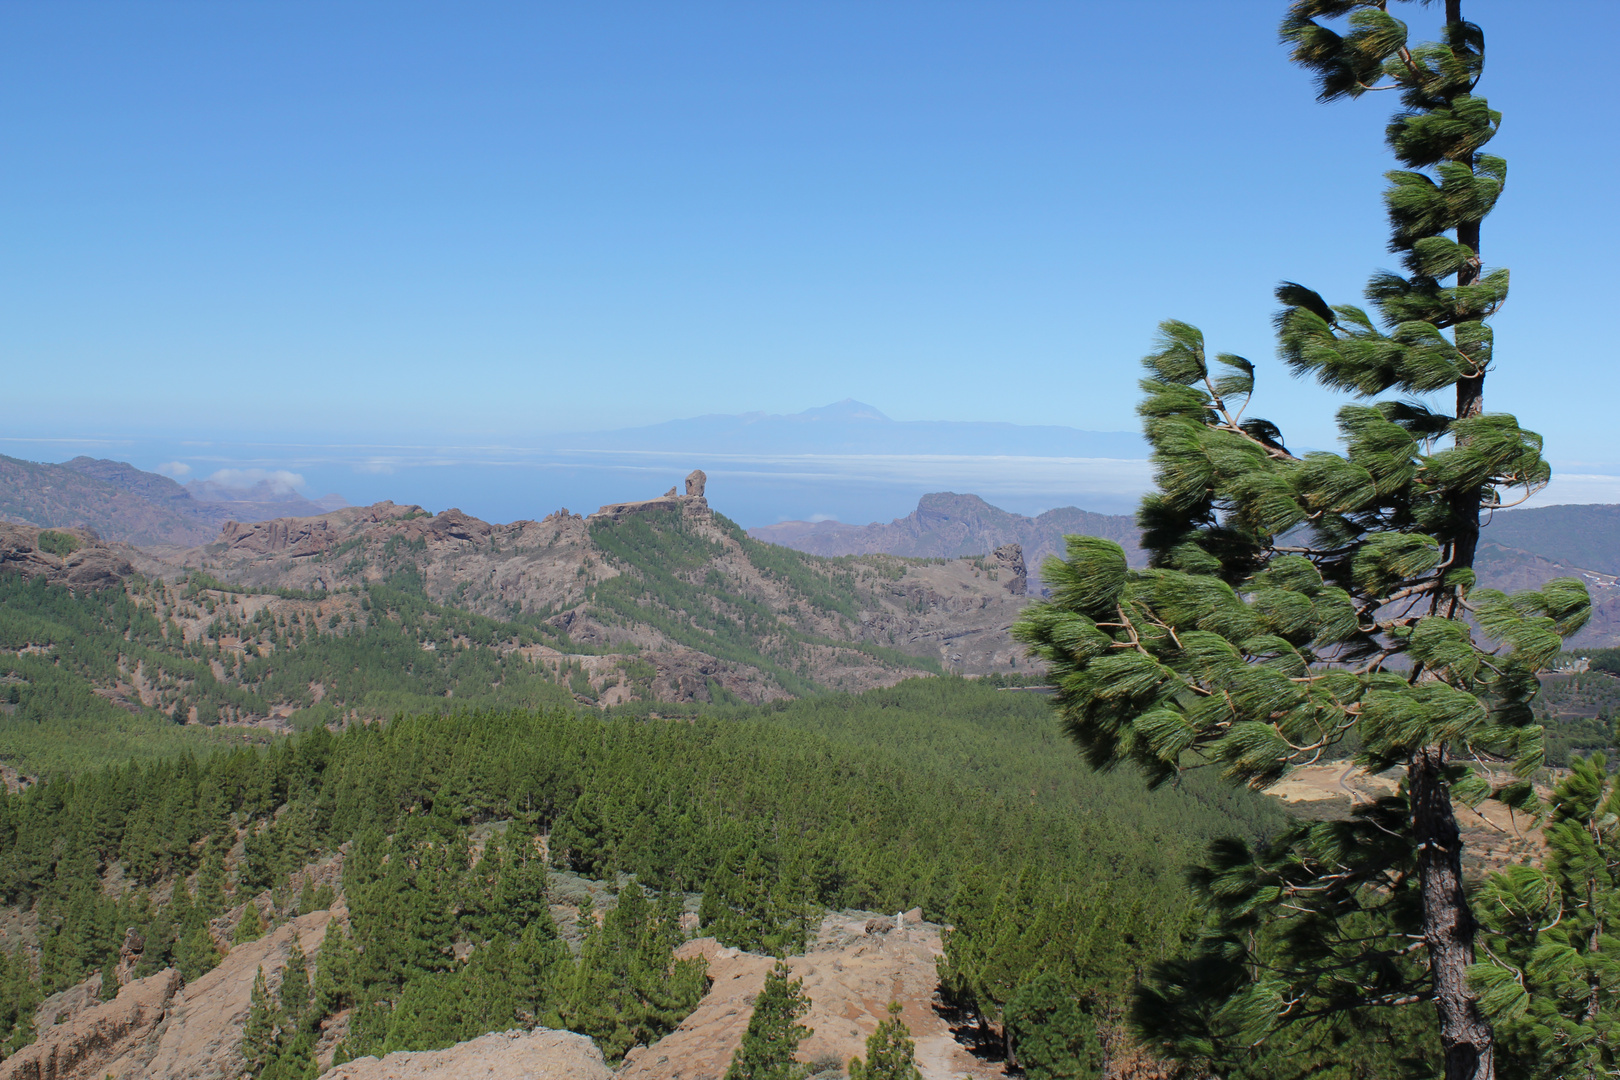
[941, 793]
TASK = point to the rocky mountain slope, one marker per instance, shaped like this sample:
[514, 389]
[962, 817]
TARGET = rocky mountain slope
[665, 579]
[1520, 549]
[366, 611]
[947, 525]
[161, 1029]
[123, 503]
[1583, 535]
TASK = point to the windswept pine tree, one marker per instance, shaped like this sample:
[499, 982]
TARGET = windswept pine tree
[1295, 603]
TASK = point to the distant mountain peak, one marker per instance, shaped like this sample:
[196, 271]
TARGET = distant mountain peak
[848, 409]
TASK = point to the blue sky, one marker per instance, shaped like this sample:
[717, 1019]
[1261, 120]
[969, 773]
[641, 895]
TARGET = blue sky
[331, 224]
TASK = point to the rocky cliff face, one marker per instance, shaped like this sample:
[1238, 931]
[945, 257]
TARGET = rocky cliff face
[854, 968]
[94, 1042]
[77, 558]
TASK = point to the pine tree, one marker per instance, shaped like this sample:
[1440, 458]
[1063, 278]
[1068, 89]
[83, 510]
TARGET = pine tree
[294, 993]
[1292, 602]
[261, 1034]
[109, 979]
[334, 974]
[1553, 974]
[250, 927]
[890, 1052]
[1052, 1036]
[774, 1032]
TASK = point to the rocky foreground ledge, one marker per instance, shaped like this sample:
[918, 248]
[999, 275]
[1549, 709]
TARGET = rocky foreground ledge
[856, 965]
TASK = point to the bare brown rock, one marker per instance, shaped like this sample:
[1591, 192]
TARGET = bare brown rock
[695, 482]
[91, 1044]
[540, 1054]
[616, 511]
[129, 954]
[92, 565]
[293, 537]
[1009, 560]
[850, 979]
[203, 1037]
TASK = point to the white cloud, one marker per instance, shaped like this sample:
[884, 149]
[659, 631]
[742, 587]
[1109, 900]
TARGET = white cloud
[280, 481]
[177, 469]
[1577, 488]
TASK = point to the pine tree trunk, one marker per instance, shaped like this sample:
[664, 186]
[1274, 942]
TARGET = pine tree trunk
[1448, 922]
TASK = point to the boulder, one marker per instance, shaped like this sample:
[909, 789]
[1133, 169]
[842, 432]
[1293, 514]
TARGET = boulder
[695, 481]
[541, 1054]
[91, 565]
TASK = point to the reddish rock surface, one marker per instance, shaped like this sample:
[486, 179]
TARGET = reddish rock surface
[850, 977]
[204, 1034]
[540, 1054]
[88, 1044]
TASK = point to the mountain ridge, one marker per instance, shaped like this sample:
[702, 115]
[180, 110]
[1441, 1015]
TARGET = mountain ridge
[951, 525]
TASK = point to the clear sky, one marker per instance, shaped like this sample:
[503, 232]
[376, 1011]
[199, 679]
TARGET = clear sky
[342, 222]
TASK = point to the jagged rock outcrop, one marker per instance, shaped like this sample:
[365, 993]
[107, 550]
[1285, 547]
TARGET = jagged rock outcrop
[203, 1036]
[90, 565]
[692, 504]
[540, 1054]
[91, 1044]
[850, 976]
[1010, 565]
[292, 537]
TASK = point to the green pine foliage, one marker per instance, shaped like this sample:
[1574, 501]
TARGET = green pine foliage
[774, 1032]
[1051, 1034]
[19, 997]
[890, 1052]
[375, 668]
[1551, 975]
[626, 991]
[939, 793]
[673, 586]
[1295, 605]
[261, 1034]
[250, 927]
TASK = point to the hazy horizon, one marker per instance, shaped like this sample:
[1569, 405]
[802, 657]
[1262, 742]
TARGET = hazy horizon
[299, 238]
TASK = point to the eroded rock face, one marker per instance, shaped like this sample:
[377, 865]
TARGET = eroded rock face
[1010, 562]
[204, 1034]
[540, 1054]
[849, 975]
[293, 537]
[695, 481]
[91, 1044]
[92, 565]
